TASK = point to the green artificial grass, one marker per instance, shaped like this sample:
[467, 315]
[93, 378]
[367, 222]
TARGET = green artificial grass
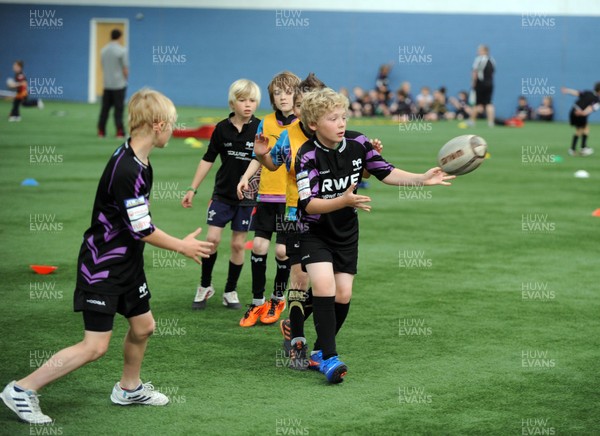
[475, 309]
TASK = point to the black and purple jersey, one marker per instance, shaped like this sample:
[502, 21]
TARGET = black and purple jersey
[235, 149]
[325, 173]
[587, 98]
[111, 257]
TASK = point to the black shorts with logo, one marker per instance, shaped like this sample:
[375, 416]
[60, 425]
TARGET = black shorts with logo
[292, 248]
[99, 310]
[313, 250]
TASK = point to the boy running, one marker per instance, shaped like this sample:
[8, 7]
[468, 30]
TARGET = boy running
[19, 84]
[328, 168]
[233, 141]
[587, 102]
[110, 268]
[270, 210]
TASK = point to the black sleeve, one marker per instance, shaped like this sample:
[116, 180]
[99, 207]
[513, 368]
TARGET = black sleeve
[215, 145]
[130, 193]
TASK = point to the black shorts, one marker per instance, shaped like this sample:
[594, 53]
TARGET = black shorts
[219, 214]
[483, 94]
[99, 310]
[577, 120]
[292, 248]
[314, 249]
[265, 219]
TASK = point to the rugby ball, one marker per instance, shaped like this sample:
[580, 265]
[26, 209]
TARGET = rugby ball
[11, 83]
[462, 154]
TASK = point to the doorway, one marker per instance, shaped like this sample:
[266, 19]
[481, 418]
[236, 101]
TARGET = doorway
[100, 29]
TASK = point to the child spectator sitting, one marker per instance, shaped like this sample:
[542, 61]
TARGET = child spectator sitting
[424, 102]
[381, 103]
[439, 110]
[401, 109]
[361, 106]
[524, 112]
[546, 110]
[461, 106]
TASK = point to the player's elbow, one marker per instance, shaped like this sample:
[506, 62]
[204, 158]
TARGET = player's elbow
[310, 208]
[271, 166]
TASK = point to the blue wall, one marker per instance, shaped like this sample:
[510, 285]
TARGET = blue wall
[344, 49]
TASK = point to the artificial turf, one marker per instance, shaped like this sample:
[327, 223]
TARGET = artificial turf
[475, 310]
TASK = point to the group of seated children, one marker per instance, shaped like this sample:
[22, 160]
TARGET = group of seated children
[545, 112]
[427, 105]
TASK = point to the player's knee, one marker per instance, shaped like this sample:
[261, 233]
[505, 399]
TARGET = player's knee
[260, 246]
[280, 252]
[141, 332]
[298, 280]
[343, 296]
[237, 246]
[215, 242]
[146, 330]
[95, 350]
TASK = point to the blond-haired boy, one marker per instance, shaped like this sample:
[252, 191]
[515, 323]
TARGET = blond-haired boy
[233, 141]
[329, 167]
[110, 273]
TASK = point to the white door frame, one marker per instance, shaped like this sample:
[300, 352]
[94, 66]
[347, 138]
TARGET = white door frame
[92, 98]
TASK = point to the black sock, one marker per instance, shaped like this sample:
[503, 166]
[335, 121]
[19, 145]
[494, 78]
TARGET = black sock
[583, 141]
[341, 312]
[308, 305]
[281, 278]
[296, 315]
[207, 268]
[259, 274]
[574, 143]
[232, 276]
[324, 316]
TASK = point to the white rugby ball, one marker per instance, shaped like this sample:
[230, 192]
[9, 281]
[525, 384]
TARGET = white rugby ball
[10, 82]
[462, 154]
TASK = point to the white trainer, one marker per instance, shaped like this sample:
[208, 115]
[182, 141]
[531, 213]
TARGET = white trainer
[586, 151]
[25, 404]
[202, 295]
[144, 394]
[231, 300]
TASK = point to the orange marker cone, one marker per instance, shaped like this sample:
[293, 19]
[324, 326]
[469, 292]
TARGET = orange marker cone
[596, 213]
[250, 244]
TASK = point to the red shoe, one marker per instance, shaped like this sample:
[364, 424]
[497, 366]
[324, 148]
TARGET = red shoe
[251, 316]
[274, 312]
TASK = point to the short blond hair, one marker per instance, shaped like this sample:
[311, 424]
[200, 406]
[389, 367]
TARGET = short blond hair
[243, 88]
[320, 102]
[284, 80]
[147, 107]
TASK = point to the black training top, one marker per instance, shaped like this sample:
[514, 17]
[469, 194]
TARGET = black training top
[235, 149]
[322, 172]
[111, 255]
[587, 98]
